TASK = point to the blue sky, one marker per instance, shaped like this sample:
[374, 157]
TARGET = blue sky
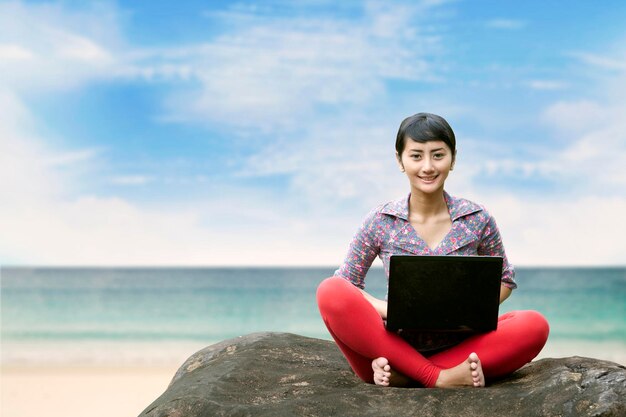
[261, 133]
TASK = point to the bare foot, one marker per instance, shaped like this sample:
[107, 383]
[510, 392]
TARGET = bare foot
[468, 373]
[385, 376]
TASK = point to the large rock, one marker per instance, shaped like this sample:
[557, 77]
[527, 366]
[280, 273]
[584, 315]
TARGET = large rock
[280, 374]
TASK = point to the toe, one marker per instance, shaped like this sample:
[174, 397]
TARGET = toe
[380, 363]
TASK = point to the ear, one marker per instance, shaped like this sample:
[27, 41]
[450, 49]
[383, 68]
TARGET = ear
[399, 161]
[453, 161]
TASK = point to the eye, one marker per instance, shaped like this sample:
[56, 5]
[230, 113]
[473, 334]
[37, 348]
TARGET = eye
[416, 156]
[439, 155]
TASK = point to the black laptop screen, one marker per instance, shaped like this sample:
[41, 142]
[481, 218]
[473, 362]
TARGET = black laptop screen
[444, 293]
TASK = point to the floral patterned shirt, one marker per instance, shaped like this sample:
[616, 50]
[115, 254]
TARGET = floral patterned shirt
[387, 231]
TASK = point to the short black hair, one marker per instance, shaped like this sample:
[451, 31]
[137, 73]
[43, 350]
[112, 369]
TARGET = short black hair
[424, 127]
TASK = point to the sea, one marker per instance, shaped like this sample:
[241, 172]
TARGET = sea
[160, 316]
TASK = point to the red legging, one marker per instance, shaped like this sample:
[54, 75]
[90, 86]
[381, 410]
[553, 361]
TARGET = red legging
[361, 335]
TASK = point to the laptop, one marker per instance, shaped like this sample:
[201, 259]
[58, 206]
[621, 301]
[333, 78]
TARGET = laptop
[444, 293]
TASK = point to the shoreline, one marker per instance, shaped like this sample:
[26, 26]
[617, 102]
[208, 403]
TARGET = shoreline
[613, 351]
[134, 354]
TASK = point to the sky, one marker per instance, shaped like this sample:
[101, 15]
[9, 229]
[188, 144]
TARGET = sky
[154, 133]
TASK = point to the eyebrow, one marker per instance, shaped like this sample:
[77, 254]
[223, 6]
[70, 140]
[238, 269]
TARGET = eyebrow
[432, 150]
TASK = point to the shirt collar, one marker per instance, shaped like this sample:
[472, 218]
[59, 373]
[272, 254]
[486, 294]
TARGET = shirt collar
[458, 207]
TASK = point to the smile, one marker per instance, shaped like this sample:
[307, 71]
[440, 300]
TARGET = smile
[428, 179]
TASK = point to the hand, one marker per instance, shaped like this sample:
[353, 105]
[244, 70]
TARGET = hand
[505, 292]
[378, 304]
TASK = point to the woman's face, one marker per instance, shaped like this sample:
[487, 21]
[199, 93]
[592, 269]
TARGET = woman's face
[426, 165]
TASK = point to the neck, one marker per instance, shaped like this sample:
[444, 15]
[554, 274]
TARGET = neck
[426, 205]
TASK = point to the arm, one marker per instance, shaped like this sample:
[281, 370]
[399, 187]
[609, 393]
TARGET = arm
[364, 248]
[505, 292]
[491, 245]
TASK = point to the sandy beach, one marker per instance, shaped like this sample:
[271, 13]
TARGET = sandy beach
[95, 379]
[82, 391]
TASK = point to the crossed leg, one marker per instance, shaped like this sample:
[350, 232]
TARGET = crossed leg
[360, 333]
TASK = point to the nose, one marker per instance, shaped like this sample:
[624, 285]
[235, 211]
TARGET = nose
[427, 165]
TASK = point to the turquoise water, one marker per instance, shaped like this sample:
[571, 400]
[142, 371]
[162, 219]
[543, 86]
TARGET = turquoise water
[205, 305]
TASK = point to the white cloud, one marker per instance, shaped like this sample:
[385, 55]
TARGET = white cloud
[601, 61]
[78, 48]
[272, 71]
[547, 85]
[43, 220]
[506, 24]
[244, 229]
[594, 149]
[25, 173]
[580, 231]
[580, 224]
[584, 148]
[10, 52]
[46, 220]
[573, 116]
[338, 164]
[131, 179]
[46, 47]
[589, 161]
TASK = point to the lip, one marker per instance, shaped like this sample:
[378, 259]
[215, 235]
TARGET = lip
[428, 180]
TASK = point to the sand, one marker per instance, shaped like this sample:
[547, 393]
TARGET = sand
[82, 391]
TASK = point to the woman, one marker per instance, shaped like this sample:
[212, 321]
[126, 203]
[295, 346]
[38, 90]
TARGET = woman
[428, 222]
